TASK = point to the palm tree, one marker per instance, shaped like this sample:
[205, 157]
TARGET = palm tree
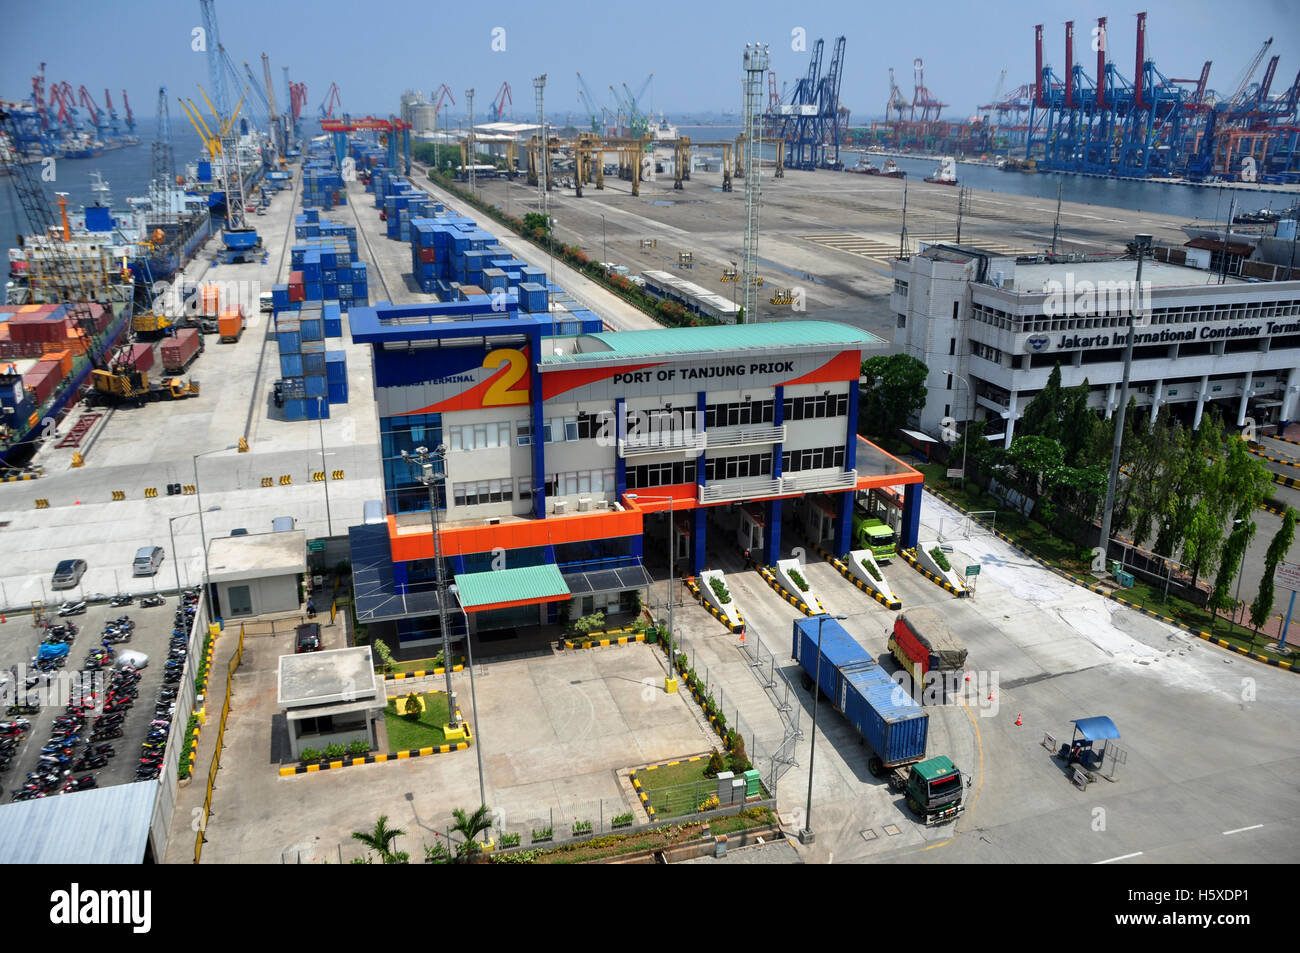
[470, 826]
[381, 839]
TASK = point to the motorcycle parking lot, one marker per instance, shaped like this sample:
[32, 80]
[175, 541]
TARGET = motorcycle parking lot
[20, 642]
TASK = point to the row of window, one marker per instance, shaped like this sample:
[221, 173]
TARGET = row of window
[988, 353]
[740, 413]
[661, 474]
[813, 458]
[816, 407]
[1192, 314]
[736, 468]
[478, 436]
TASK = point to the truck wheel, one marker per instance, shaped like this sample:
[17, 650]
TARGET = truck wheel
[806, 681]
[876, 766]
[912, 805]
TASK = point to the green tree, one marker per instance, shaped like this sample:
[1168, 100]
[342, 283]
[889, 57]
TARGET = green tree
[739, 760]
[412, 708]
[537, 222]
[1277, 550]
[470, 826]
[1220, 598]
[893, 390]
[1042, 416]
[380, 840]
[715, 765]
[1032, 461]
[1078, 422]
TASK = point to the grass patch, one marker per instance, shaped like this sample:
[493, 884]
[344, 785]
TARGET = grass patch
[417, 665]
[425, 732]
[615, 845]
[679, 789]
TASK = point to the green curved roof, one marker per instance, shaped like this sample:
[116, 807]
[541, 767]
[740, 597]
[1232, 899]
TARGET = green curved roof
[720, 338]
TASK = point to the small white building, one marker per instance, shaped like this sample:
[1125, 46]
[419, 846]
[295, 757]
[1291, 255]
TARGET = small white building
[331, 697]
[258, 574]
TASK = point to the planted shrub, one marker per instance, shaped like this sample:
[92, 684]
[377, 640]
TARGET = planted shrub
[334, 751]
[709, 803]
[512, 840]
[622, 820]
[385, 655]
[798, 580]
[720, 590]
[581, 827]
[543, 833]
[940, 559]
[437, 854]
[739, 760]
[715, 764]
[358, 747]
[310, 754]
[871, 569]
[411, 707]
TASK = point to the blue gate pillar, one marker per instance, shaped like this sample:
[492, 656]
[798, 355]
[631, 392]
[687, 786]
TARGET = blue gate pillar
[911, 525]
[843, 523]
[698, 540]
[772, 531]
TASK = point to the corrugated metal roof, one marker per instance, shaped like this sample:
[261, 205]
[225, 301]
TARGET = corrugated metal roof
[100, 826]
[540, 583]
[727, 337]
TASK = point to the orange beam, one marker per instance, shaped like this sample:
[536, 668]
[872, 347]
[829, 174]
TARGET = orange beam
[417, 542]
[520, 602]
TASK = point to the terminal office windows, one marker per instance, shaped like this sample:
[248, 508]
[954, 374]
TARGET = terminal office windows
[483, 491]
[737, 468]
[664, 474]
[815, 458]
[740, 413]
[479, 436]
[821, 405]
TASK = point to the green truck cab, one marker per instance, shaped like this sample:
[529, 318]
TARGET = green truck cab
[873, 534]
[935, 790]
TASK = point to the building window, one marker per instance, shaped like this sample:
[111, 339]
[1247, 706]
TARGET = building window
[749, 466]
[902, 321]
[740, 414]
[949, 387]
[817, 406]
[523, 433]
[812, 458]
[955, 306]
[952, 346]
[947, 410]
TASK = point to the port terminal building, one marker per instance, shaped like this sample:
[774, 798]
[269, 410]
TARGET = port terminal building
[576, 460]
[990, 328]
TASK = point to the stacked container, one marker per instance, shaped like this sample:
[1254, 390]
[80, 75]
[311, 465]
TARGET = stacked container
[336, 376]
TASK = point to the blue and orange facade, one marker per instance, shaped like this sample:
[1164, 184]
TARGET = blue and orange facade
[572, 449]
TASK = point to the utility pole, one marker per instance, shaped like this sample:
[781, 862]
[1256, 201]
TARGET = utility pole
[902, 233]
[756, 62]
[1056, 226]
[1143, 243]
[539, 85]
[423, 463]
[469, 102]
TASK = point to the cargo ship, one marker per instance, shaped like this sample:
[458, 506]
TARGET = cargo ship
[945, 173]
[892, 171]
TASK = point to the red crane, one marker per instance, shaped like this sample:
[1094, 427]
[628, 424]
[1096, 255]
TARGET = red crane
[498, 105]
[442, 92]
[38, 97]
[297, 98]
[130, 119]
[922, 98]
[332, 98]
[88, 102]
[61, 94]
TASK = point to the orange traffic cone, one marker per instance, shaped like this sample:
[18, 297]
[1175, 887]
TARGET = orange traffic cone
[990, 695]
[2, 618]
[968, 676]
[742, 635]
[1018, 721]
[78, 503]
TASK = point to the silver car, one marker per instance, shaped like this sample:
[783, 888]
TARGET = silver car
[68, 573]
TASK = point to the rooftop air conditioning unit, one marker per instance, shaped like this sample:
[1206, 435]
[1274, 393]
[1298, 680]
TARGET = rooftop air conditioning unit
[602, 504]
[561, 507]
[584, 505]
[493, 521]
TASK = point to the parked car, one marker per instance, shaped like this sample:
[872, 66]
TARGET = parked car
[241, 531]
[308, 638]
[68, 573]
[147, 560]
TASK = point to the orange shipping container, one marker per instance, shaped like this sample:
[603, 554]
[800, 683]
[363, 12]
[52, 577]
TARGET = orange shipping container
[211, 301]
[230, 325]
[64, 359]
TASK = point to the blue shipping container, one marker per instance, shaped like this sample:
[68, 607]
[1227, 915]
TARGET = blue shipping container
[333, 328]
[318, 409]
[338, 392]
[313, 329]
[336, 365]
[316, 386]
[313, 364]
[291, 365]
[884, 714]
[295, 408]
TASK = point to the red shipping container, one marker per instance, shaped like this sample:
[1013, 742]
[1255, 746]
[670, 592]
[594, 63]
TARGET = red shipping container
[295, 278]
[180, 350]
[26, 328]
[426, 255]
[42, 379]
[140, 357]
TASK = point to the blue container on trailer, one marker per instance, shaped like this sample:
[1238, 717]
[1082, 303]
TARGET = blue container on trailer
[316, 385]
[279, 296]
[338, 392]
[837, 648]
[883, 713]
[291, 365]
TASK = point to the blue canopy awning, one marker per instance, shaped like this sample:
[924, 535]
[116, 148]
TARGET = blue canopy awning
[1097, 728]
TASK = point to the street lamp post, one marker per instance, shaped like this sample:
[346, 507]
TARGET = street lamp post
[203, 537]
[473, 700]
[965, 443]
[604, 244]
[320, 407]
[423, 462]
[670, 683]
[176, 563]
[1143, 243]
[806, 835]
[1232, 619]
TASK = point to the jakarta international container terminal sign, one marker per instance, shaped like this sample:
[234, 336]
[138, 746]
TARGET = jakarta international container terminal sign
[440, 380]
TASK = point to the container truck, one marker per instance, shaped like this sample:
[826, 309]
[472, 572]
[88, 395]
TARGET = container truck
[231, 324]
[136, 388]
[179, 352]
[922, 642]
[873, 534]
[886, 717]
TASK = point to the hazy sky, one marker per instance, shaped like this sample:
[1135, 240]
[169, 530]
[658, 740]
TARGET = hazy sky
[375, 50]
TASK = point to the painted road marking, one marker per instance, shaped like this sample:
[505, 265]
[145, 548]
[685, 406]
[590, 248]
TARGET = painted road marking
[1253, 827]
[1120, 857]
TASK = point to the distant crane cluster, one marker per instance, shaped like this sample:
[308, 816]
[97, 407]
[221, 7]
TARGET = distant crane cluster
[50, 123]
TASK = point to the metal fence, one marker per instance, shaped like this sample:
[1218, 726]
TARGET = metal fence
[765, 667]
[215, 764]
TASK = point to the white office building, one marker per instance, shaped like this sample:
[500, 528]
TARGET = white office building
[991, 328]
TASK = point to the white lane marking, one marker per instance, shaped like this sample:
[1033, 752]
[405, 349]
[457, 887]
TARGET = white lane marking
[1121, 857]
[1253, 827]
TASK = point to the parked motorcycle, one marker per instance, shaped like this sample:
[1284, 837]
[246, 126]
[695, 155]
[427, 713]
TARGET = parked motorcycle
[149, 602]
[121, 599]
[83, 783]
